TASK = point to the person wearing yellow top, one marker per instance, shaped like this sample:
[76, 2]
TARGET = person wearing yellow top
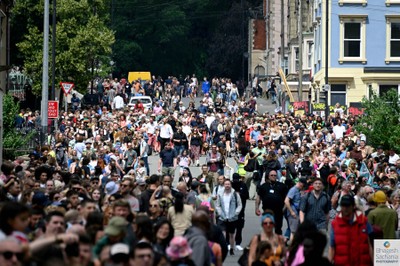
[268, 234]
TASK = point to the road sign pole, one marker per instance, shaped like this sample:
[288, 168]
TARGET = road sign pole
[66, 103]
[56, 120]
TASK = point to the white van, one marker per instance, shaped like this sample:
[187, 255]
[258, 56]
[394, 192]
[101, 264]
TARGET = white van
[145, 100]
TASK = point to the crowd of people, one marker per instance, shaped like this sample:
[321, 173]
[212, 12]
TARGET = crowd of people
[90, 197]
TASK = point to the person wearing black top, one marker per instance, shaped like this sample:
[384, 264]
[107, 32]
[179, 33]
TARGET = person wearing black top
[272, 195]
[241, 188]
[167, 160]
[180, 141]
[306, 167]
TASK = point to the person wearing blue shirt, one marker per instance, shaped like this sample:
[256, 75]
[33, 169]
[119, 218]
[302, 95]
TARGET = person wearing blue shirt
[255, 133]
[205, 87]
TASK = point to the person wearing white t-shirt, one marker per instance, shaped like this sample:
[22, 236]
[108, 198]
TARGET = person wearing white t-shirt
[118, 102]
[166, 133]
[393, 157]
[339, 131]
[151, 126]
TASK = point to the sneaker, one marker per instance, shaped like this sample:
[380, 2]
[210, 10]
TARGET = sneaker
[229, 247]
[239, 247]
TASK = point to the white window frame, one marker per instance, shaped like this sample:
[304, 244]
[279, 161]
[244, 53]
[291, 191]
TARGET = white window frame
[389, 20]
[362, 19]
[295, 60]
[319, 37]
[339, 92]
[392, 2]
[343, 2]
[309, 54]
[385, 83]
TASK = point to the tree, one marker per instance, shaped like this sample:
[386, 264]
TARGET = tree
[381, 121]
[14, 141]
[83, 41]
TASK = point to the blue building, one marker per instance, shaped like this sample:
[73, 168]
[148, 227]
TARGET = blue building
[364, 48]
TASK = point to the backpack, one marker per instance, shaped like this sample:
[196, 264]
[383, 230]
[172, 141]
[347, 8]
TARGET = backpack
[206, 203]
[251, 165]
[244, 259]
[213, 260]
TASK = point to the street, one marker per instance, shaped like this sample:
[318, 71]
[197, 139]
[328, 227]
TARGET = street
[252, 224]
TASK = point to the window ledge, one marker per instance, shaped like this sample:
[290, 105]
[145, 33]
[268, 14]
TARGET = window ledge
[392, 2]
[391, 60]
[349, 59]
[362, 2]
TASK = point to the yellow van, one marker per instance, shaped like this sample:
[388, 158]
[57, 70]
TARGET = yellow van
[132, 76]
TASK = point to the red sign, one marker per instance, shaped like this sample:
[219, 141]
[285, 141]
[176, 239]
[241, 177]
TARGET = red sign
[52, 109]
[67, 87]
[356, 111]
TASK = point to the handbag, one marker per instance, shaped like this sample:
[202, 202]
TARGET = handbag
[244, 258]
[251, 165]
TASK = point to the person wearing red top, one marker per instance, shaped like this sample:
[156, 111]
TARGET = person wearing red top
[139, 108]
[349, 238]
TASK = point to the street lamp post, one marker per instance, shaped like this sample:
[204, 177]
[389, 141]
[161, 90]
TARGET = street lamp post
[45, 73]
[326, 58]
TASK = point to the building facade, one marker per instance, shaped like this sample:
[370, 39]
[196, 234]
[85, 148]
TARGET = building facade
[364, 48]
[269, 32]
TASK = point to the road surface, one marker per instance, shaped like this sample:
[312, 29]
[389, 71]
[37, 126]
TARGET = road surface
[252, 224]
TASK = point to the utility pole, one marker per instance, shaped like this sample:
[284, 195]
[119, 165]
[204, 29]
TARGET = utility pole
[300, 50]
[53, 52]
[283, 35]
[45, 74]
[326, 58]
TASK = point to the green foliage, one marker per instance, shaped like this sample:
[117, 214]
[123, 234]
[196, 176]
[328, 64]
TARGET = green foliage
[83, 41]
[180, 36]
[13, 140]
[381, 124]
[205, 37]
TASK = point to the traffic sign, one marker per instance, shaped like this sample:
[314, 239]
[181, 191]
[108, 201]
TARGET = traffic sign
[52, 109]
[67, 87]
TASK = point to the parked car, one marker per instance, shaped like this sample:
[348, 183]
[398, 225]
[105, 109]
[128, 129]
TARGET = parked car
[145, 100]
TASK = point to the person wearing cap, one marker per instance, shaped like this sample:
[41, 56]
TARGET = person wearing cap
[115, 232]
[383, 216]
[292, 204]
[119, 254]
[350, 236]
[306, 167]
[259, 152]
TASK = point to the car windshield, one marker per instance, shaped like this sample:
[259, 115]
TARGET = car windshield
[143, 100]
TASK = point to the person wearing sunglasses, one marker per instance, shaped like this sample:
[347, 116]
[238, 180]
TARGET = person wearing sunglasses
[10, 252]
[268, 234]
